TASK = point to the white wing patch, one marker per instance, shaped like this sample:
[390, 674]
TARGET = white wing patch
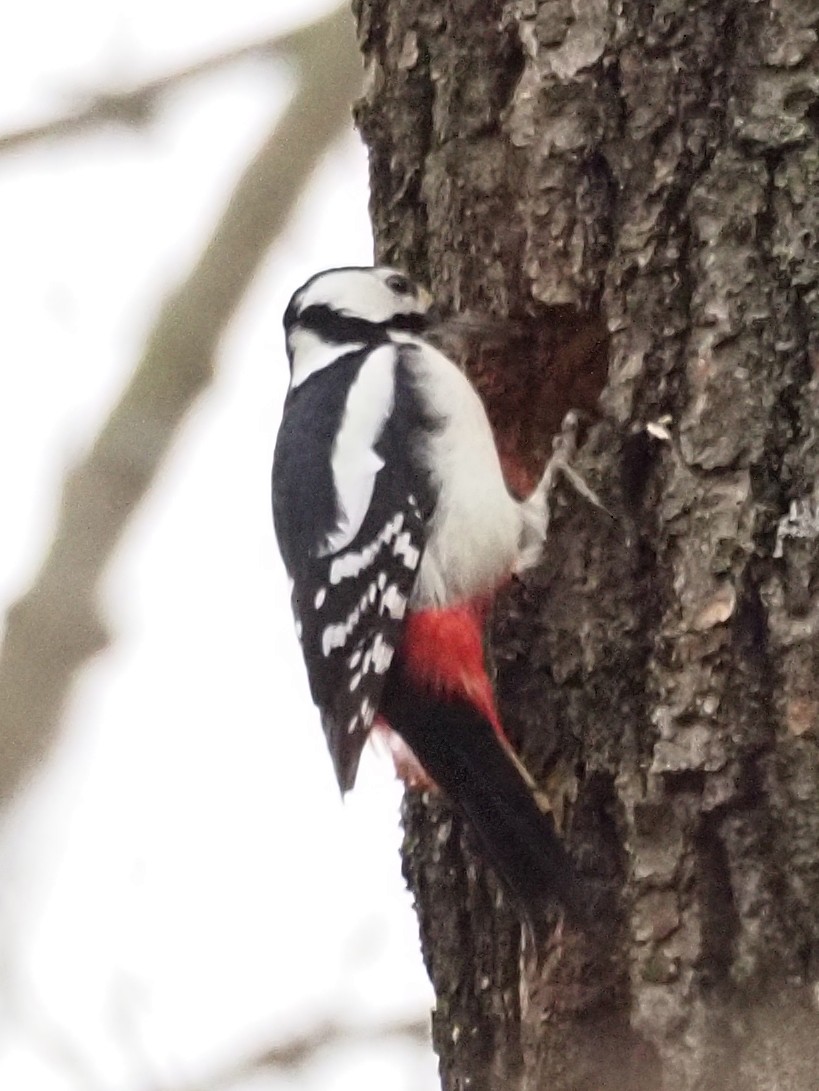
[354, 461]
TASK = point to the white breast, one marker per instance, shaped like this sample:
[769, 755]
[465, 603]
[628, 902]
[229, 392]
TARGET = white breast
[476, 527]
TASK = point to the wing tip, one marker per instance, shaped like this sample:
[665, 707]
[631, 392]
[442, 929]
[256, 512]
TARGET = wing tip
[345, 750]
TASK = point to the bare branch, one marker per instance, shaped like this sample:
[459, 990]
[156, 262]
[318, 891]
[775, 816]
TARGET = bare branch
[55, 628]
[302, 1049]
[138, 105]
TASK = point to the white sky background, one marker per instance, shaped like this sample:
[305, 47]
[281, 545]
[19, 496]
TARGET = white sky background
[181, 886]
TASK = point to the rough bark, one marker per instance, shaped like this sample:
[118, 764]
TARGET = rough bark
[649, 171]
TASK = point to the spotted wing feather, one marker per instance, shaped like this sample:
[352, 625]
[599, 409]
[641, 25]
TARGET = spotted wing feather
[350, 639]
[350, 602]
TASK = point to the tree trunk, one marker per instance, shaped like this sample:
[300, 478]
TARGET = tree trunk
[635, 187]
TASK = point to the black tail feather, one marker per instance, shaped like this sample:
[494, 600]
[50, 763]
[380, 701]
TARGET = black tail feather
[459, 749]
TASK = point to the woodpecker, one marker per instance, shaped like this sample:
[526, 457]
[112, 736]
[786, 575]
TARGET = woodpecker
[397, 529]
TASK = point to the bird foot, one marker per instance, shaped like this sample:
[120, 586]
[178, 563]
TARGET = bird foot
[564, 448]
[536, 511]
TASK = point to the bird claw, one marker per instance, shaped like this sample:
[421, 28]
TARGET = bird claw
[536, 511]
[562, 787]
[559, 792]
[564, 448]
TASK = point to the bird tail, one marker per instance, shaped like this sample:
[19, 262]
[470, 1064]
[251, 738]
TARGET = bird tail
[439, 699]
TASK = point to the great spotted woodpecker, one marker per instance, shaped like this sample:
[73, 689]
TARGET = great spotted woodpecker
[396, 528]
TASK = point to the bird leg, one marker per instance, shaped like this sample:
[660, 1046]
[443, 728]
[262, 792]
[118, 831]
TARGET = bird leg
[536, 512]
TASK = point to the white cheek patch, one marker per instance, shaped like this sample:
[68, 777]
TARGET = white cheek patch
[361, 293]
[355, 463]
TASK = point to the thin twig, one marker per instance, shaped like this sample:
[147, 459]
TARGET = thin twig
[138, 105]
[304, 1048]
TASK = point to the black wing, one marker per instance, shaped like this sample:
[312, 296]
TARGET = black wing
[350, 605]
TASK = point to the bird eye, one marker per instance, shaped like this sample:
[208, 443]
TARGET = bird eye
[400, 284]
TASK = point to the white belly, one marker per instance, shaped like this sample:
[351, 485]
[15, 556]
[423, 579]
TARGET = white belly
[475, 530]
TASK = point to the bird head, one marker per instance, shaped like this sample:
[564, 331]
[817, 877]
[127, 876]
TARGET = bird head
[359, 304]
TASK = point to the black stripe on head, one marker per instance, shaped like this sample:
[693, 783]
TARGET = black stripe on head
[337, 328]
[410, 323]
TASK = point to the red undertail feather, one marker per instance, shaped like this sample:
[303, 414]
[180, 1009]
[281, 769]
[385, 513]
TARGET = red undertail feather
[438, 699]
[443, 653]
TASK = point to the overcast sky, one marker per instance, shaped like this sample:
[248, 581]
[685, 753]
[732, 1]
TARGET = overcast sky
[182, 884]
